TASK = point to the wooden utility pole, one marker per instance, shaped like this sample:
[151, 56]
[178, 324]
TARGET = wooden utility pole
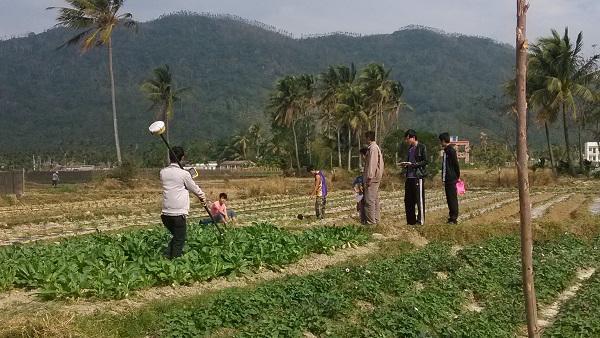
[523, 171]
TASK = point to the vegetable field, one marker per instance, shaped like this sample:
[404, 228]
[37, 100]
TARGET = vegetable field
[96, 268]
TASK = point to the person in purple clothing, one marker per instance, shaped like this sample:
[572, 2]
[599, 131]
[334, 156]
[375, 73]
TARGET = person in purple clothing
[319, 191]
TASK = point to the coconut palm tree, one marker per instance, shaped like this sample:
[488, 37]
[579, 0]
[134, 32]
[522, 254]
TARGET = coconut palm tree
[352, 107]
[163, 94]
[95, 21]
[332, 83]
[329, 86]
[255, 136]
[241, 142]
[384, 94]
[286, 102]
[566, 76]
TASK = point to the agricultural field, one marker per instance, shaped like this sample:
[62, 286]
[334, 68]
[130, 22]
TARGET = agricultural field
[83, 261]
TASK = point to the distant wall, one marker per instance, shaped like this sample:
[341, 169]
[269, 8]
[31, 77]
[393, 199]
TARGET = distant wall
[12, 182]
[69, 177]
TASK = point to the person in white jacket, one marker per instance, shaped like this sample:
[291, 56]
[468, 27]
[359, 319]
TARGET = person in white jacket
[177, 184]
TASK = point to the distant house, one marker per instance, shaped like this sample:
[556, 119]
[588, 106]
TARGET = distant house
[206, 166]
[592, 152]
[463, 148]
[236, 165]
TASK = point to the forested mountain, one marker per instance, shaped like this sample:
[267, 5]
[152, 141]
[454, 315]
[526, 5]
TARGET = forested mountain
[58, 99]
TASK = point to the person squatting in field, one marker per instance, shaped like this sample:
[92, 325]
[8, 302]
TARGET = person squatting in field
[220, 212]
[373, 172]
[319, 191]
[176, 183]
[416, 171]
[450, 176]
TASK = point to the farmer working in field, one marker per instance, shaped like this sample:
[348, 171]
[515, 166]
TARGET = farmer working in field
[373, 172]
[176, 184]
[220, 212]
[319, 191]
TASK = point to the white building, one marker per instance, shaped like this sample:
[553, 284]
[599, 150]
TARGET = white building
[592, 152]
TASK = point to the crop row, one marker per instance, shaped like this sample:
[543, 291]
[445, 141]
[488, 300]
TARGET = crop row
[579, 316]
[111, 266]
[424, 293]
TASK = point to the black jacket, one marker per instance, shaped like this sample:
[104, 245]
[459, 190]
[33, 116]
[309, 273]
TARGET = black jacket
[451, 167]
[420, 164]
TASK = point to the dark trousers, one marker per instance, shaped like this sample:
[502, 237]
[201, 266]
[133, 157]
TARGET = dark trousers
[177, 227]
[452, 200]
[320, 203]
[414, 196]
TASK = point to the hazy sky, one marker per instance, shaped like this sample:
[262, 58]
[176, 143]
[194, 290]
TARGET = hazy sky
[491, 18]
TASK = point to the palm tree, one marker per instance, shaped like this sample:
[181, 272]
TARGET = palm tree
[255, 136]
[286, 102]
[241, 142]
[308, 103]
[383, 94]
[163, 94]
[352, 107]
[566, 76]
[96, 20]
[329, 87]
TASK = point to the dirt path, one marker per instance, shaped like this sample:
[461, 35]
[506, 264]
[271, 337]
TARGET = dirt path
[503, 211]
[566, 210]
[540, 210]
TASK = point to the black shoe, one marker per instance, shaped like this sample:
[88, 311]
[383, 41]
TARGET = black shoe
[451, 221]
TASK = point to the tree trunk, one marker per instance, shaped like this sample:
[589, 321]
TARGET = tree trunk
[359, 157]
[550, 152]
[114, 101]
[296, 147]
[579, 146]
[567, 143]
[349, 148]
[339, 148]
[523, 172]
[307, 145]
[376, 127]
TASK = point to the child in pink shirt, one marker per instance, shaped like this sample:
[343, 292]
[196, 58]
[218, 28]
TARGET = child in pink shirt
[220, 212]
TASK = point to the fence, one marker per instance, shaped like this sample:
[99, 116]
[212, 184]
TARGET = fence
[69, 177]
[12, 182]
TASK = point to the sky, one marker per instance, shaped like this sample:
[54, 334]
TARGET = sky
[490, 18]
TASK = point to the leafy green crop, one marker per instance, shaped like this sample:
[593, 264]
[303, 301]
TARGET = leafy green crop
[579, 317]
[111, 266]
[398, 296]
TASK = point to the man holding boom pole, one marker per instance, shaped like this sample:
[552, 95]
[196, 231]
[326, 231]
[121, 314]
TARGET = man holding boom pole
[176, 185]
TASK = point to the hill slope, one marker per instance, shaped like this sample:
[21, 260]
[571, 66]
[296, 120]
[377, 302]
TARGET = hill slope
[58, 99]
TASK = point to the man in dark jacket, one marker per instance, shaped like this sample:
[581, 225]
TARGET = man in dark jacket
[450, 174]
[416, 171]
